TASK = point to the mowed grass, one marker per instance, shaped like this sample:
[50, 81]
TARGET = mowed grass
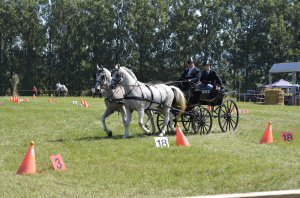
[97, 166]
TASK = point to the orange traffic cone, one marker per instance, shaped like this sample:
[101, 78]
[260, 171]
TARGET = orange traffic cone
[28, 163]
[85, 104]
[49, 100]
[180, 138]
[11, 99]
[81, 101]
[268, 135]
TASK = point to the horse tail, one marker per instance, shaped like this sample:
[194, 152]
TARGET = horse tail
[179, 98]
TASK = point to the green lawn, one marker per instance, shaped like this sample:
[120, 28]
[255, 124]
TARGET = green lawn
[97, 166]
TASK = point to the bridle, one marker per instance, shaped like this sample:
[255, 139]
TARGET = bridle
[102, 77]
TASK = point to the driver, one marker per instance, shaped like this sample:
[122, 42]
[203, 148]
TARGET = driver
[191, 74]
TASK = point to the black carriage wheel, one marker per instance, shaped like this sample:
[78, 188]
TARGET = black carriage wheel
[186, 120]
[160, 119]
[202, 121]
[228, 116]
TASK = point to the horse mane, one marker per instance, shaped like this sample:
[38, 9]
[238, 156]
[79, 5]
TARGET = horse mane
[106, 70]
[129, 72]
[107, 73]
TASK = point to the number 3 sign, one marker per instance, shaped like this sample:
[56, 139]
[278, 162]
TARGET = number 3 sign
[57, 162]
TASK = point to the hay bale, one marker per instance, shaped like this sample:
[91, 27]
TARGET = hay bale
[274, 97]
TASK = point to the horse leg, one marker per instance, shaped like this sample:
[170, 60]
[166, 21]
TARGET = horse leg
[150, 119]
[124, 115]
[107, 113]
[127, 122]
[141, 119]
[171, 122]
[167, 118]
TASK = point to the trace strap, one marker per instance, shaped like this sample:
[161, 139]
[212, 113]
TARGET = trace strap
[126, 97]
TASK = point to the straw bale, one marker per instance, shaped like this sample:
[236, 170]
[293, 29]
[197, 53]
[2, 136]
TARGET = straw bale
[274, 97]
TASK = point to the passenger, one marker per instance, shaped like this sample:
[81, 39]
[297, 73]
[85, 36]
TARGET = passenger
[210, 79]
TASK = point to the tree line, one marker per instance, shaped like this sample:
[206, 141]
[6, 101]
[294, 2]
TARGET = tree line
[43, 42]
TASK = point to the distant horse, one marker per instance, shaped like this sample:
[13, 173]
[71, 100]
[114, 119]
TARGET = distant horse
[61, 90]
[141, 97]
[114, 99]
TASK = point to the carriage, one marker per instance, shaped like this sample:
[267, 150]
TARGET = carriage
[203, 106]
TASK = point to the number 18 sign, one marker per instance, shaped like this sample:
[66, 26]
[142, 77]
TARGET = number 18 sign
[287, 136]
[161, 142]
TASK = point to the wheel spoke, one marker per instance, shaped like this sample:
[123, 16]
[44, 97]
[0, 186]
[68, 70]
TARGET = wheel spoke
[223, 125]
[226, 125]
[231, 123]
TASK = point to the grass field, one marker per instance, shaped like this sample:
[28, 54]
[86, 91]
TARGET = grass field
[97, 166]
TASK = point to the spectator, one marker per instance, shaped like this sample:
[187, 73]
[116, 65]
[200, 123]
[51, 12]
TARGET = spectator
[34, 91]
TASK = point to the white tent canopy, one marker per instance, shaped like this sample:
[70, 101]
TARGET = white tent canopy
[285, 68]
[281, 84]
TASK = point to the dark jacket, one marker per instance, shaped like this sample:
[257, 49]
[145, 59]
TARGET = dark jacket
[194, 75]
[211, 78]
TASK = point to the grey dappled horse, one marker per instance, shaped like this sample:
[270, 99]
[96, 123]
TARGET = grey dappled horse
[114, 99]
[61, 90]
[140, 97]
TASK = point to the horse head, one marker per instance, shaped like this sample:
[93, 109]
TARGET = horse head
[117, 77]
[103, 78]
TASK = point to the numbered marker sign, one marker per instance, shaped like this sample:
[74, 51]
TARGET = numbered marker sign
[287, 136]
[161, 142]
[57, 162]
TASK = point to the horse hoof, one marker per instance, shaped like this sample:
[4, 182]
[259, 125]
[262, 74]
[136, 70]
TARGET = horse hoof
[109, 134]
[161, 135]
[125, 137]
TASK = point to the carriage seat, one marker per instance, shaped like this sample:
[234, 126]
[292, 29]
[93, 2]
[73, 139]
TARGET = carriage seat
[213, 94]
[203, 88]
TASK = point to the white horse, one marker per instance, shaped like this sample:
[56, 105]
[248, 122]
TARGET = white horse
[141, 97]
[61, 90]
[114, 99]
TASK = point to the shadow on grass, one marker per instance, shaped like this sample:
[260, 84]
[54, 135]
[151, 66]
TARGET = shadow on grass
[114, 137]
[57, 140]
